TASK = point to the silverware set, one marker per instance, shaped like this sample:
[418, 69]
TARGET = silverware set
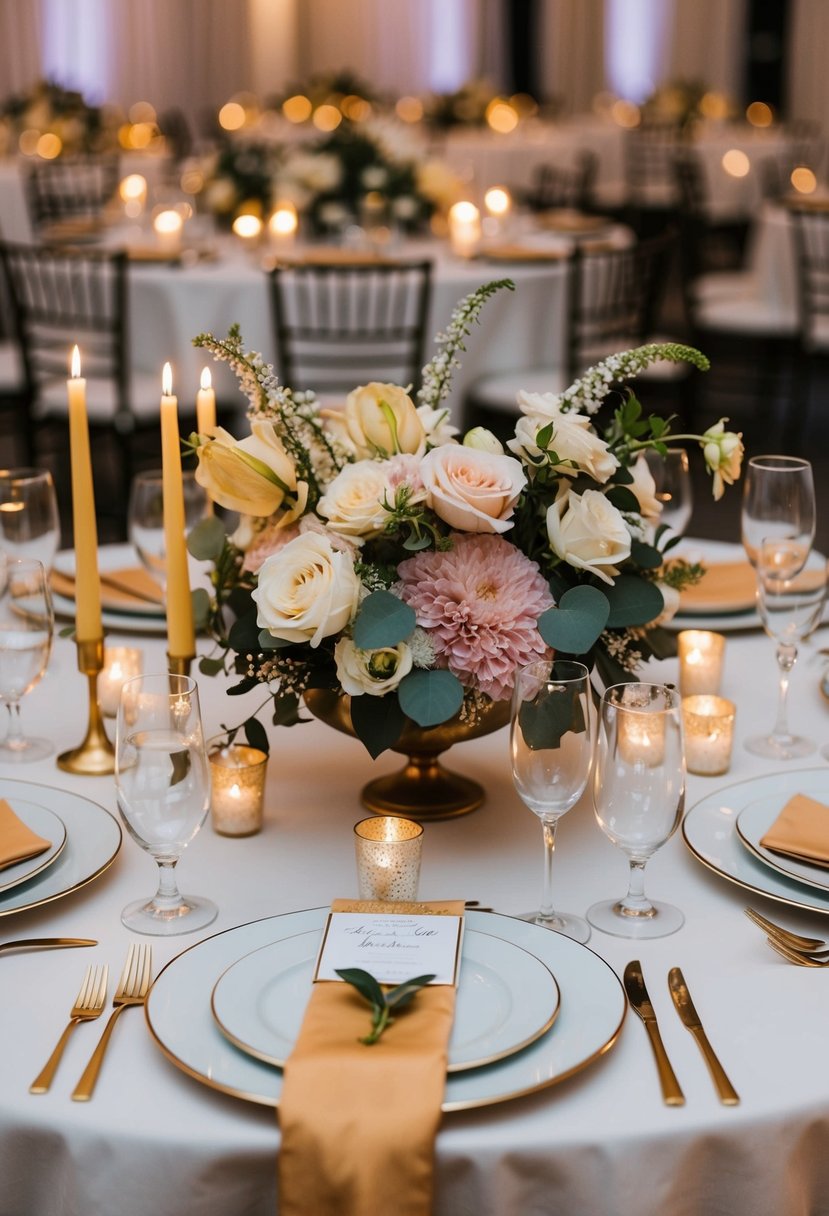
[642, 1005]
[132, 989]
[802, 951]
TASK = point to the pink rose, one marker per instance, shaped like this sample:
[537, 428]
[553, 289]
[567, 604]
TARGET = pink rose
[472, 490]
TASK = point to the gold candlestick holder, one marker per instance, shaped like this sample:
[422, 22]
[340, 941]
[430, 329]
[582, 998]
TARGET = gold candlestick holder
[178, 665]
[95, 757]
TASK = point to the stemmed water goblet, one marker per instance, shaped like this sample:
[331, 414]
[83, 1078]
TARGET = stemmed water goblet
[778, 504]
[790, 600]
[26, 630]
[145, 517]
[163, 786]
[29, 524]
[551, 744]
[672, 478]
[638, 797]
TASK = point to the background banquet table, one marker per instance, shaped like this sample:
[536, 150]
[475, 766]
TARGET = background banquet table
[154, 1139]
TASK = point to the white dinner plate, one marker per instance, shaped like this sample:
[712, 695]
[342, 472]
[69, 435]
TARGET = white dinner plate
[710, 832]
[110, 557]
[755, 820]
[698, 550]
[592, 1011]
[46, 824]
[506, 999]
[93, 838]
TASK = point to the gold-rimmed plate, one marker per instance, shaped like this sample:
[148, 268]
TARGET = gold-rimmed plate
[44, 823]
[592, 1010]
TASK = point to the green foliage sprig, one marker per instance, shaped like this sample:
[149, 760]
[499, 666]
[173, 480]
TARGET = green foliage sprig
[382, 1003]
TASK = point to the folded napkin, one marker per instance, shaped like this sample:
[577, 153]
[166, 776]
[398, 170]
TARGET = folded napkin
[521, 253]
[801, 830]
[725, 587]
[564, 220]
[359, 1123]
[17, 842]
[132, 589]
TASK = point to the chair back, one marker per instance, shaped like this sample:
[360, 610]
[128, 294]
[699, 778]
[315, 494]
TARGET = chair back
[70, 187]
[565, 185]
[65, 296]
[649, 154]
[811, 236]
[337, 325]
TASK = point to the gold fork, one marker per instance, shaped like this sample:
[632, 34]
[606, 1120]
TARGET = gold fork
[799, 957]
[793, 940]
[132, 989]
[89, 1004]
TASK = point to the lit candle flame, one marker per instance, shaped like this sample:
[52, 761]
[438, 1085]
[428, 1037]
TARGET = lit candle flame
[167, 380]
[76, 363]
[206, 379]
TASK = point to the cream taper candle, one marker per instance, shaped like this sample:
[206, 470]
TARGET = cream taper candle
[88, 626]
[181, 641]
[206, 404]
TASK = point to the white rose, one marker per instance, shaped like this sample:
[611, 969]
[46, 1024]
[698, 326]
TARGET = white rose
[573, 440]
[375, 672]
[382, 418]
[644, 487]
[307, 591]
[353, 500]
[437, 425]
[587, 532]
[471, 490]
[482, 439]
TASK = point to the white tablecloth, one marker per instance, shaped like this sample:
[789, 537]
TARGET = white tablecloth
[155, 1140]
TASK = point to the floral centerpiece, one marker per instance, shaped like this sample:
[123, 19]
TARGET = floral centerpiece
[383, 558]
[49, 109]
[685, 103]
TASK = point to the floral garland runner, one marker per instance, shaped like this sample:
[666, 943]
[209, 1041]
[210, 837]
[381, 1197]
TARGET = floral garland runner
[380, 557]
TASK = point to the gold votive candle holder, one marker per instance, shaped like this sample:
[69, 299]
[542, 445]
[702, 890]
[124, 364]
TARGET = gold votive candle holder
[237, 798]
[121, 663]
[708, 723]
[701, 655]
[388, 857]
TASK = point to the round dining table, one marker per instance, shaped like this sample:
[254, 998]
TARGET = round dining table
[155, 1139]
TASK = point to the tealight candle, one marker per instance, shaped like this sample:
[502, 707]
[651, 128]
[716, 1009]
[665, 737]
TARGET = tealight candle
[237, 796]
[121, 663]
[709, 734]
[388, 857]
[701, 654]
[168, 226]
[133, 194]
[498, 202]
[641, 737]
[282, 227]
[249, 229]
[464, 228]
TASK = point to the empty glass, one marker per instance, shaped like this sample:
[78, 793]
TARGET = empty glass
[26, 629]
[551, 743]
[672, 477]
[639, 797]
[29, 525]
[790, 598]
[163, 786]
[778, 504]
[145, 517]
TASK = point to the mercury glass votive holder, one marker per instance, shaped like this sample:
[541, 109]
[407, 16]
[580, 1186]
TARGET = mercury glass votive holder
[237, 797]
[701, 655]
[708, 723]
[388, 857]
[121, 663]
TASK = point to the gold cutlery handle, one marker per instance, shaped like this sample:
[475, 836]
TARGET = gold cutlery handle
[47, 943]
[672, 1094]
[84, 1089]
[725, 1090]
[45, 1077]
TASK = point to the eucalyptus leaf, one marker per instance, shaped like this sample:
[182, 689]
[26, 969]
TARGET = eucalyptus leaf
[378, 722]
[266, 641]
[574, 626]
[646, 556]
[200, 602]
[403, 993]
[383, 620]
[211, 667]
[365, 983]
[623, 499]
[430, 697]
[257, 736]
[244, 633]
[547, 719]
[633, 601]
[206, 539]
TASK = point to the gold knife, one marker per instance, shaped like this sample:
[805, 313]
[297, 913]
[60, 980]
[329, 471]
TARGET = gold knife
[637, 994]
[685, 1008]
[47, 943]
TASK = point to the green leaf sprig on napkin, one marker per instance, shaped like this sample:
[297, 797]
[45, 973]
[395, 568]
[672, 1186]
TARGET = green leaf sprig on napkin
[382, 1003]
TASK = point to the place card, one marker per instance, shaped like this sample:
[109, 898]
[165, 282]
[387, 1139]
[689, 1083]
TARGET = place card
[392, 947]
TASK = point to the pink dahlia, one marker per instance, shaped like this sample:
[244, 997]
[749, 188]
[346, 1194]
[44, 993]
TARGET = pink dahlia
[480, 601]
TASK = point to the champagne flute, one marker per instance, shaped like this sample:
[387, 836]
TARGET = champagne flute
[145, 517]
[672, 477]
[163, 785]
[26, 629]
[551, 743]
[29, 525]
[639, 797]
[790, 599]
[778, 504]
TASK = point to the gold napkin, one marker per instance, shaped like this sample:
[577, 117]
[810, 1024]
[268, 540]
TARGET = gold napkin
[132, 589]
[521, 253]
[359, 1123]
[725, 587]
[801, 830]
[17, 842]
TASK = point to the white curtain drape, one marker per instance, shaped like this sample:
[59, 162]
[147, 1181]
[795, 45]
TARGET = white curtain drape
[806, 76]
[706, 43]
[21, 29]
[572, 68]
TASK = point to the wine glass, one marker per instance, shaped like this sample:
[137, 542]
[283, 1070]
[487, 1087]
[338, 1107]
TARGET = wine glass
[29, 524]
[790, 599]
[145, 517]
[639, 797]
[778, 503]
[672, 477]
[163, 785]
[551, 742]
[26, 629]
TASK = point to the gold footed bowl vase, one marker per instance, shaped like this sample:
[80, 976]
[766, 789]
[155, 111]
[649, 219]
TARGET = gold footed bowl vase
[423, 789]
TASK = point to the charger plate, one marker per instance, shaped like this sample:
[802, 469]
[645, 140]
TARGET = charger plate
[592, 1010]
[46, 824]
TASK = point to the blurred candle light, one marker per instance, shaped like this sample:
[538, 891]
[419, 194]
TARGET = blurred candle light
[121, 663]
[708, 723]
[701, 654]
[282, 226]
[803, 180]
[736, 163]
[498, 202]
[168, 225]
[464, 228]
[133, 194]
[759, 114]
[249, 229]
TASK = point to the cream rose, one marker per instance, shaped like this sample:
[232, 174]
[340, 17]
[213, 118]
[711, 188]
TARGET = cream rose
[587, 532]
[353, 502]
[382, 419]
[644, 487]
[471, 490]
[574, 441]
[375, 672]
[307, 591]
[482, 439]
[253, 475]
